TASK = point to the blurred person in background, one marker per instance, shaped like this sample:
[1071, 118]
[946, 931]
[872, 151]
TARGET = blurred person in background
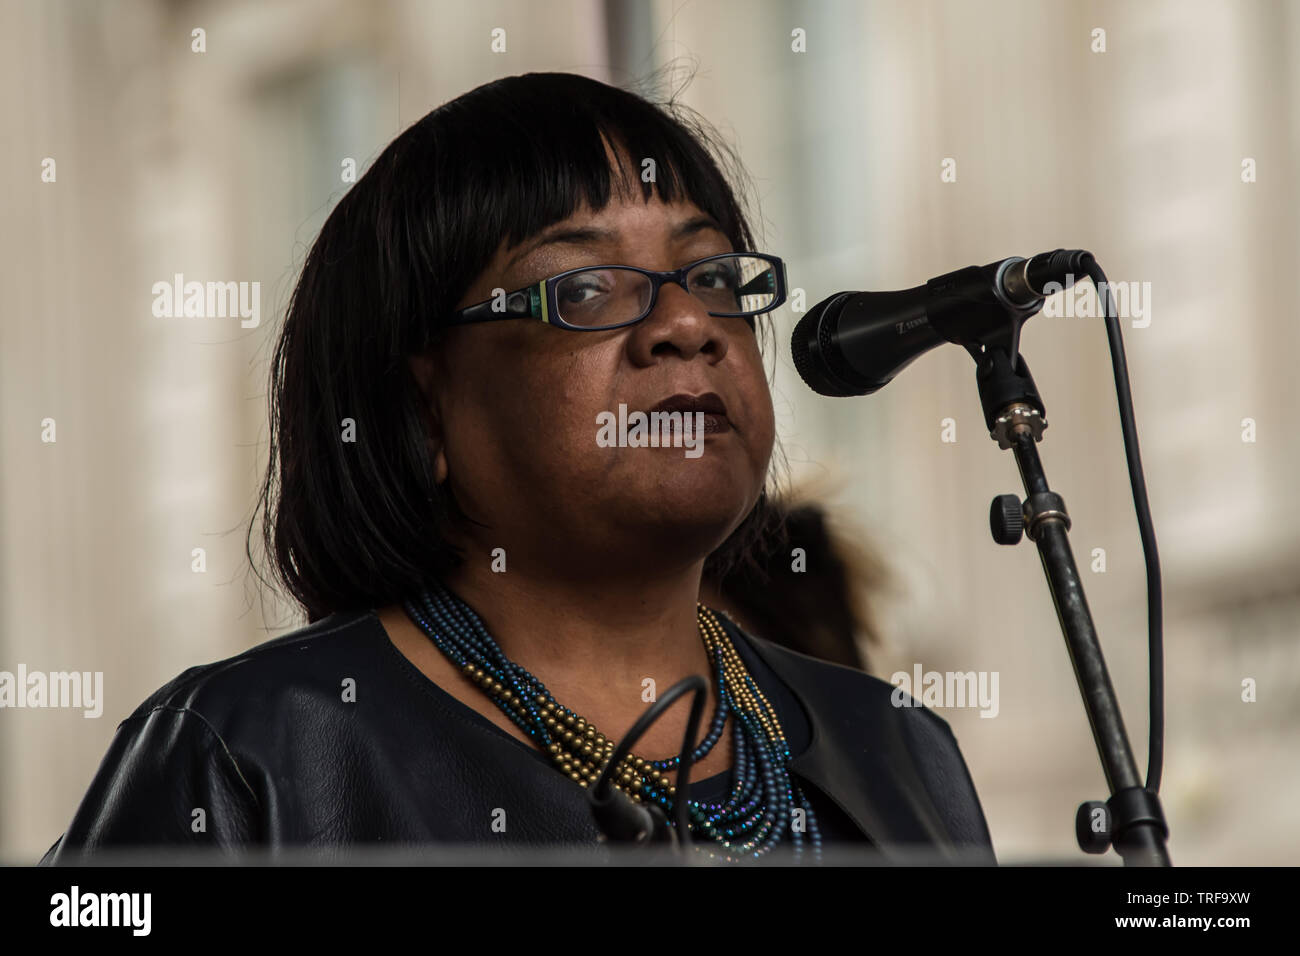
[815, 600]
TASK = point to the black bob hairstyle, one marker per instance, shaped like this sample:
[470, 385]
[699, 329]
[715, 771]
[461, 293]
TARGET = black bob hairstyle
[349, 525]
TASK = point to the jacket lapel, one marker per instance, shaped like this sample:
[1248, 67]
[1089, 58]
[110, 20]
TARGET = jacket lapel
[859, 756]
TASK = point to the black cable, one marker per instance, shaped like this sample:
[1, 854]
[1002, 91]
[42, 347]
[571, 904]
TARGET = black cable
[1155, 615]
[600, 790]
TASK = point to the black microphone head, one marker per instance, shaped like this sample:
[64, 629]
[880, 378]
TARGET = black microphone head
[817, 361]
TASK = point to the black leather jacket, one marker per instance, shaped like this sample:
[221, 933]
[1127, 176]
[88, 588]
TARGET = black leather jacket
[264, 750]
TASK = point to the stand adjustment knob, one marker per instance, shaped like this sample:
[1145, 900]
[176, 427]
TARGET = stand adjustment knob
[1092, 827]
[1006, 520]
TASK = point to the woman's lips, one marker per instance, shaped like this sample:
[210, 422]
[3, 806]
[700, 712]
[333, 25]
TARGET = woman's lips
[716, 423]
[710, 404]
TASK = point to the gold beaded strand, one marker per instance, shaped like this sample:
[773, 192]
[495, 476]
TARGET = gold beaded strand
[585, 751]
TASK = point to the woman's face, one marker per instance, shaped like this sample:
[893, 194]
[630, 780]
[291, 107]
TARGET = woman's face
[516, 406]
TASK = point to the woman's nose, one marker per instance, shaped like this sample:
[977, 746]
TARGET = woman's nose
[680, 323]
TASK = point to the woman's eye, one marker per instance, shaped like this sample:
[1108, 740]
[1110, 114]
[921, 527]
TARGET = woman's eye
[576, 294]
[717, 278]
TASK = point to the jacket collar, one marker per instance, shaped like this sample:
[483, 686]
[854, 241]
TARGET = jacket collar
[858, 755]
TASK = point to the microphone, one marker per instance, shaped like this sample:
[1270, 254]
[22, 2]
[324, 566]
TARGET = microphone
[854, 343]
[622, 821]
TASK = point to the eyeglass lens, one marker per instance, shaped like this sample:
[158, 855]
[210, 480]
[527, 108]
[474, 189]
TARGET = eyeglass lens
[733, 285]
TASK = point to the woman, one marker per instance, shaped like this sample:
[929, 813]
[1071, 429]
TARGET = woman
[498, 581]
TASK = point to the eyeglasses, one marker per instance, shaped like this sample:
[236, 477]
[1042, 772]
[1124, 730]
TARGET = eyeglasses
[593, 298]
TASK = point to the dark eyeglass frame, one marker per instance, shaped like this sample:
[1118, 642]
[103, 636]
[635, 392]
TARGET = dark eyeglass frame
[538, 301]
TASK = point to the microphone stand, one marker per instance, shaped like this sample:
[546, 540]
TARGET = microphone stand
[1131, 820]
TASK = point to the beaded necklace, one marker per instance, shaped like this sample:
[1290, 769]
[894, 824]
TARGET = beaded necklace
[763, 800]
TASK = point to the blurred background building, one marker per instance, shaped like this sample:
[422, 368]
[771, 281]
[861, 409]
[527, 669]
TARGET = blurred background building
[222, 164]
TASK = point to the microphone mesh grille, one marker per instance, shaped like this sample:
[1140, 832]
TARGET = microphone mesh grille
[799, 350]
[826, 374]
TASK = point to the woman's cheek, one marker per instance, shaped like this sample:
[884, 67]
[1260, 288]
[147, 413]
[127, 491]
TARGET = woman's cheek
[763, 415]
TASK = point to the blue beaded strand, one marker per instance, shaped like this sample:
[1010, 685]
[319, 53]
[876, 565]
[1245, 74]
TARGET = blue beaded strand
[758, 810]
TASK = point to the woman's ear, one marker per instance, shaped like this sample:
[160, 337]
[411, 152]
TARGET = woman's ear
[424, 370]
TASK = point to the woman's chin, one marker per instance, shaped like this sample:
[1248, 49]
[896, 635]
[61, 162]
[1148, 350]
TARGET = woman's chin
[686, 505]
[690, 482]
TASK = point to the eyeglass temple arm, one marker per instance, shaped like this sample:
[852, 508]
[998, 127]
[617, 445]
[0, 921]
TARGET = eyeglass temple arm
[526, 303]
[771, 279]
[765, 282]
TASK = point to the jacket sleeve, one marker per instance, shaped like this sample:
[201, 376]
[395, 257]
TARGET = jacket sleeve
[168, 779]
